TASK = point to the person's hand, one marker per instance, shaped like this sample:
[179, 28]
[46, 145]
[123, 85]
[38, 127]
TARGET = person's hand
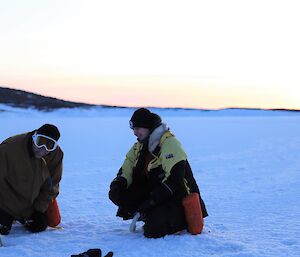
[116, 189]
[115, 193]
[37, 222]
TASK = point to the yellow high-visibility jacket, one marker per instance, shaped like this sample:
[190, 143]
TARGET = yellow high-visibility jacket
[162, 167]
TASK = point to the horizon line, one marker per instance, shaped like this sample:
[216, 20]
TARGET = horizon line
[157, 107]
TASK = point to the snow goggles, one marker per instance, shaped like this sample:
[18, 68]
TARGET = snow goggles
[43, 141]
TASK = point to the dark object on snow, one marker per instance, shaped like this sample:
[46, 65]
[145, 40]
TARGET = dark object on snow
[92, 253]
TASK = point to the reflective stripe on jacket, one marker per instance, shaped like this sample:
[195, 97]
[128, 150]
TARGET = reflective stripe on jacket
[170, 153]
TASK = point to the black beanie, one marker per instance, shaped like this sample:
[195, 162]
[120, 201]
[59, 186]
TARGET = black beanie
[143, 118]
[49, 130]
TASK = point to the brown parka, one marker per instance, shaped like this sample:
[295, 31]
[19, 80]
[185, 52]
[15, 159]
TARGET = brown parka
[27, 183]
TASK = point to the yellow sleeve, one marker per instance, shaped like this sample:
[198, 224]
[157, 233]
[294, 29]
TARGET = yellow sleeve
[129, 163]
[171, 153]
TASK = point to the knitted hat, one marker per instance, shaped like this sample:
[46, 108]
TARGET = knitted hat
[143, 118]
[49, 131]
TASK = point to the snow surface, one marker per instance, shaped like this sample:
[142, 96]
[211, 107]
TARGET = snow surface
[247, 167]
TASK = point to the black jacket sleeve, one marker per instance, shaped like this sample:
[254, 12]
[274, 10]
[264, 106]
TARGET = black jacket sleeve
[171, 185]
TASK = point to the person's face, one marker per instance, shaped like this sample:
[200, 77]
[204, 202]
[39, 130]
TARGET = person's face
[141, 133]
[39, 152]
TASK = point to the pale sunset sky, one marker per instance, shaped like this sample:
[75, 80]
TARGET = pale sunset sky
[196, 54]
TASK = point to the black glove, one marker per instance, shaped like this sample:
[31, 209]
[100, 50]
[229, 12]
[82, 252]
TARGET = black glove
[117, 186]
[146, 206]
[37, 222]
[92, 253]
[4, 230]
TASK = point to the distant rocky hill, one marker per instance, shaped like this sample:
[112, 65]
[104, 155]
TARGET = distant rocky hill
[23, 99]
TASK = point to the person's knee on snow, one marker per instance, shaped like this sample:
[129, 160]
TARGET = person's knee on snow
[155, 229]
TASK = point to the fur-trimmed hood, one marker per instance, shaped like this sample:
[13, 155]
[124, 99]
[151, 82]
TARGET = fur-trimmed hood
[156, 135]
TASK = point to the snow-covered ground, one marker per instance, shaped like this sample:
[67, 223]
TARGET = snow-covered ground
[247, 167]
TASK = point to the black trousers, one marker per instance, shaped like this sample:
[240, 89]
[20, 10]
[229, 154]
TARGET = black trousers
[39, 221]
[166, 218]
[5, 218]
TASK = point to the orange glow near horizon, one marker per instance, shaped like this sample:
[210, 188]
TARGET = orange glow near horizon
[162, 91]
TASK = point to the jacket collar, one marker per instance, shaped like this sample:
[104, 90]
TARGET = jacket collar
[156, 135]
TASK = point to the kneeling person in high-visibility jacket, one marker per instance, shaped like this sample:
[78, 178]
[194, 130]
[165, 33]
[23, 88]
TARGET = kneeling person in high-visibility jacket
[30, 172]
[155, 178]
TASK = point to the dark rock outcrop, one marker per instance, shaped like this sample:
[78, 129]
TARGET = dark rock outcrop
[23, 99]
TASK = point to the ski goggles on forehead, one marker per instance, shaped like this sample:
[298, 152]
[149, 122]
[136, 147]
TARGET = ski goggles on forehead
[43, 141]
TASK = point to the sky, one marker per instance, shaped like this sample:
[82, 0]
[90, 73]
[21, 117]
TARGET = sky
[194, 54]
